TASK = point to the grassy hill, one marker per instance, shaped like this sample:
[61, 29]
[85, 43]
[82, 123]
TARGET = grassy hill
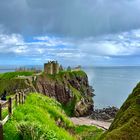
[126, 125]
[10, 81]
[39, 118]
[42, 118]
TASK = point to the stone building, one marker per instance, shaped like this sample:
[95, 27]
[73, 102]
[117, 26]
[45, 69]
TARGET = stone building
[52, 67]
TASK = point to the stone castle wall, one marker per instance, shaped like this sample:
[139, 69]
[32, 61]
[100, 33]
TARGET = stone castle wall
[55, 68]
[52, 67]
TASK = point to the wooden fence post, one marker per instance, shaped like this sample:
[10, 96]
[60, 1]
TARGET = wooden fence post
[16, 99]
[0, 112]
[10, 106]
[22, 98]
[19, 97]
[1, 131]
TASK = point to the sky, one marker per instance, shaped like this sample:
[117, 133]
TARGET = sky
[74, 32]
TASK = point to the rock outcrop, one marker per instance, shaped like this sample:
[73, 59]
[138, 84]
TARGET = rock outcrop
[69, 88]
[105, 114]
[126, 125]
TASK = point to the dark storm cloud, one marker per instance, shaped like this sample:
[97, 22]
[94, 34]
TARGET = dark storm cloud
[69, 17]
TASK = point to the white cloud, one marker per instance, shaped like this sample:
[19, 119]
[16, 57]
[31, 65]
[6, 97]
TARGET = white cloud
[13, 43]
[93, 49]
[51, 41]
[121, 44]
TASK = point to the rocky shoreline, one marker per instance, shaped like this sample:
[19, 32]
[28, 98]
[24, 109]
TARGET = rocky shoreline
[105, 114]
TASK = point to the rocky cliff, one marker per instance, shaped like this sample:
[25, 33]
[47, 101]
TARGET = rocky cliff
[71, 89]
[126, 125]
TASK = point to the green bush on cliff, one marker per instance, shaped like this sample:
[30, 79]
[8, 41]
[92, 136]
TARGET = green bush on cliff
[39, 118]
[126, 125]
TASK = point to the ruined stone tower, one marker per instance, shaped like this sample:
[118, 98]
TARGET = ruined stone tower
[55, 67]
[52, 67]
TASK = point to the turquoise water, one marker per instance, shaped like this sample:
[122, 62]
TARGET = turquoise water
[112, 84]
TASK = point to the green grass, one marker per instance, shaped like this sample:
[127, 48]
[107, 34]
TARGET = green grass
[42, 118]
[88, 132]
[5, 109]
[10, 75]
[126, 124]
[4, 112]
[39, 118]
[65, 75]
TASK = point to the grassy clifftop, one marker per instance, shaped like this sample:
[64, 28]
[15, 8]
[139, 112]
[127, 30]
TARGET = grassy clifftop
[126, 125]
[11, 75]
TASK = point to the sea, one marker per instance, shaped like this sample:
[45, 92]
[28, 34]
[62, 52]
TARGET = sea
[112, 85]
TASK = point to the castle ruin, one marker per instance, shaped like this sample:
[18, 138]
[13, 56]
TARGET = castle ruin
[52, 67]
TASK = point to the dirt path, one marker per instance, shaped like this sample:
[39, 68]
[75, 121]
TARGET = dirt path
[87, 121]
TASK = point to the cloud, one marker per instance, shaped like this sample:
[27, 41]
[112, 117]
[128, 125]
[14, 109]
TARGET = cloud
[51, 41]
[113, 45]
[13, 43]
[111, 49]
[38, 49]
[69, 17]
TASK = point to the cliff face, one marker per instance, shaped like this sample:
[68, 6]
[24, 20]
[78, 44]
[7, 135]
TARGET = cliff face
[69, 88]
[126, 125]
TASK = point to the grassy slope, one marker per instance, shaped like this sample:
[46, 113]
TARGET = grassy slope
[126, 125]
[42, 118]
[36, 119]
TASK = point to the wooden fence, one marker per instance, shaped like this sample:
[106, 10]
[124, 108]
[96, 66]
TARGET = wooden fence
[10, 104]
